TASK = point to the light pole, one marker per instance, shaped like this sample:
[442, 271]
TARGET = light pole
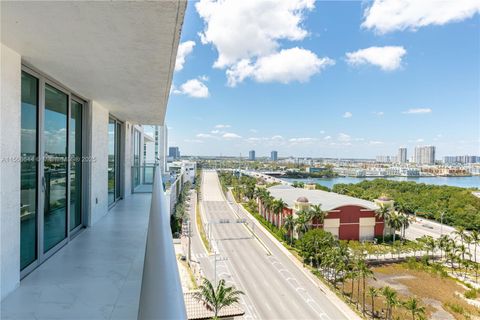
[441, 223]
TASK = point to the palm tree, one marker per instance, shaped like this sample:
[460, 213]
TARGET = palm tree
[317, 213]
[413, 305]
[461, 233]
[442, 244]
[384, 214]
[278, 206]
[289, 225]
[217, 298]
[302, 222]
[373, 293]
[391, 299]
[365, 272]
[475, 237]
[395, 221]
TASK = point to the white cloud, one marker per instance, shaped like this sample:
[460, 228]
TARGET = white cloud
[230, 135]
[388, 58]
[215, 131]
[204, 135]
[378, 113]
[222, 126]
[418, 111]
[262, 23]
[277, 137]
[255, 51]
[391, 15]
[347, 114]
[322, 131]
[344, 137]
[327, 138]
[194, 140]
[184, 49]
[288, 65]
[193, 88]
[374, 142]
[253, 130]
[301, 140]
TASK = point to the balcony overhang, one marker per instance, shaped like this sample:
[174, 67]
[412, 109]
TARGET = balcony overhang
[118, 53]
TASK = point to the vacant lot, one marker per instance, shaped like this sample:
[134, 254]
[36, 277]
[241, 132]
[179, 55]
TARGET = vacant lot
[442, 297]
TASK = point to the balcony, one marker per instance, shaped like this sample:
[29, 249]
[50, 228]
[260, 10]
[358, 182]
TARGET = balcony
[98, 275]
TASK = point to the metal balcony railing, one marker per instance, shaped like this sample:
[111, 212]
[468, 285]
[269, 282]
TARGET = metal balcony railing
[161, 296]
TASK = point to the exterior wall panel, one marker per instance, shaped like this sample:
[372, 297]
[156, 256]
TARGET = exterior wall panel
[99, 164]
[10, 170]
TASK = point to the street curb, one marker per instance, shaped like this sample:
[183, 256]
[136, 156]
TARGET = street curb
[341, 305]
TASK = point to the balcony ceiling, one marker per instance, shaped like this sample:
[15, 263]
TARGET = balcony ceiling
[118, 53]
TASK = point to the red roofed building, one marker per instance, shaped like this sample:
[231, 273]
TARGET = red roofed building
[347, 218]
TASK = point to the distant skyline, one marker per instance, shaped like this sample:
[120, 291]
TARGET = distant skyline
[327, 79]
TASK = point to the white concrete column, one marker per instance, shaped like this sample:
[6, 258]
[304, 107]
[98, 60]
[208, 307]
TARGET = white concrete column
[99, 166]
[10, 125]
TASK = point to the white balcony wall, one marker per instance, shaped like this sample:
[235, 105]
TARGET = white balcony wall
[99, 164]
[9, 170]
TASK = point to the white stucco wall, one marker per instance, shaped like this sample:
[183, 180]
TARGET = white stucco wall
[9, 170]
[99, 166]
[128, 161]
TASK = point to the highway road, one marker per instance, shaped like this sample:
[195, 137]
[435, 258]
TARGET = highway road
[274, 286]
[423, 227]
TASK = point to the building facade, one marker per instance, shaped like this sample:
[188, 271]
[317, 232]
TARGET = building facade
[402, 155]
[251, 155]
[174, 153]
[78, 81]
[424, 155]
[347, 218]
[273, 156]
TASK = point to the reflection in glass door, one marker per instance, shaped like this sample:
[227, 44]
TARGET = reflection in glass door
[75, 146]
[114, 139]
[51, 149]
[29, 173]
[111, 161]
[55, 167]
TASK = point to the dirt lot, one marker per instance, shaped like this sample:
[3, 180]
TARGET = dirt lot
[441, 296]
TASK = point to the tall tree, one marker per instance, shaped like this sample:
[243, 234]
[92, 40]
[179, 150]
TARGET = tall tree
[391, 300]
[317, 213]
[289, 225]
[384, 213]
[217, 298]
[373, 293]
[413, 305]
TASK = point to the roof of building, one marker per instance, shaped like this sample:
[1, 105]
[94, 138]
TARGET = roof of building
[197, 310]
[302, 199]
[327, 200]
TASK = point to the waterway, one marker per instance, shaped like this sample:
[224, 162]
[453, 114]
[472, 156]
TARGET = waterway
[464, 182]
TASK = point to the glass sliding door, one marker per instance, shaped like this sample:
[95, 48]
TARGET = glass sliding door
[136, 158]
[75, 164]
[111, 161]
[55, 178]
[114, 141]
[29, 170]
[118, 143]
[51, 168]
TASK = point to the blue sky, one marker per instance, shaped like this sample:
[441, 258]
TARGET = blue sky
[327, 79]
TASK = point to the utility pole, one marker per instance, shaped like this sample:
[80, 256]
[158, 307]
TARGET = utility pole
[189, 242]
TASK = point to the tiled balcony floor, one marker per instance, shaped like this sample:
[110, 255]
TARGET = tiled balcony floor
[96, 276]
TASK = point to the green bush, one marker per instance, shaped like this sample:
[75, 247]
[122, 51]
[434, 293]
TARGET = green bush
[471, 294]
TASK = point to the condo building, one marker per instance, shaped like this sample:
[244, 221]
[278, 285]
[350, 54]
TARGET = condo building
[79, 81]
[251, 155]
[424, 155]
[402, 155]
[273, 156]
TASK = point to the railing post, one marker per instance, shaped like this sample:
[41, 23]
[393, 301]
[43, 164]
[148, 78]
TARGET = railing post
[161, 296]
